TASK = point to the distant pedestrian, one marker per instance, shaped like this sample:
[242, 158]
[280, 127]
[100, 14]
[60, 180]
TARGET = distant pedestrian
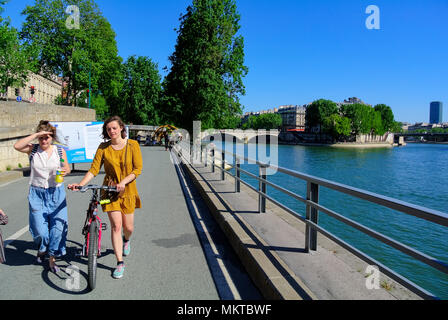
[122, 161]
[47, 200]
[167, 141]
[3, 221]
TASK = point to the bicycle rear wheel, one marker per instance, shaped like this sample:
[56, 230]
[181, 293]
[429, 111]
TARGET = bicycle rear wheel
[93, 253]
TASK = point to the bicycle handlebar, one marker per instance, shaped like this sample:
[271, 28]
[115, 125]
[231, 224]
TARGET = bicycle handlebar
[95, 187]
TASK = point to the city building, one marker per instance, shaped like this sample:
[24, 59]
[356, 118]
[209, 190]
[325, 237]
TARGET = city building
[45, 90]
[423, 126]
[435, 112]
[293, 117]
[351, 100]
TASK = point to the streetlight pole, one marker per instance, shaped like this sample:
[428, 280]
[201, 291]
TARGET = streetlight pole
[90, 70]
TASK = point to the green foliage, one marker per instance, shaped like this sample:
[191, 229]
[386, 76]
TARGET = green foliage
[205, 79]
[351, 119]
[268, 121]
[233, 122]
[387, 116]
[318, 111]
[141, 91]
[397, 127]
[377, 123]
[337, 126]
[2, 3]
[73, 53]
[438, 130]
[13, 58]
[361, 117]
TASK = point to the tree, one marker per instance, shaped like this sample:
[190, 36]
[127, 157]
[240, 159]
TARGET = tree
[387, 116]
[269, 121]
[360, 116]
[205, 79]
[70, 52]
[141, 91]
[337, 126]
[266, 121]
[233, 122]
[318, 111]
[2, 3]
[13, 59]
[377, 123]
[250, 123]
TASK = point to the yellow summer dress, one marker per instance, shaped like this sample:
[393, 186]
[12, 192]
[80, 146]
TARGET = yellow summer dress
[115, 169]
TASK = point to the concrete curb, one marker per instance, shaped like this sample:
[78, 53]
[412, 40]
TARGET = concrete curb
[271, 275]
[11, 176]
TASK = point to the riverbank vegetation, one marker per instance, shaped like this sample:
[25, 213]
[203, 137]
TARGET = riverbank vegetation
[346, 121]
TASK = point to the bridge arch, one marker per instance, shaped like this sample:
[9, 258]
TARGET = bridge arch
[268, 138]
[220, 136]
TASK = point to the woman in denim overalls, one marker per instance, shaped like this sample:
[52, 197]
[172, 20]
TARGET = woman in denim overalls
[47, 200]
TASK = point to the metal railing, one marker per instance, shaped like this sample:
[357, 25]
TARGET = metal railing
[313, 208]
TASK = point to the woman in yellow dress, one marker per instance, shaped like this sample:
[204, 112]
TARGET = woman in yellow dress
[123, 163]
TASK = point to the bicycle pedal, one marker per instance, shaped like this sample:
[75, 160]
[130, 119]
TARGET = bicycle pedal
[80, 253]
[103, 226]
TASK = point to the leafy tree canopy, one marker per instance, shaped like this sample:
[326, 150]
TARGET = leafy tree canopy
[205, 79]
[13, 59]
[141, 91]
[71, 52]
[387, 116]
[268, 121]
[318, 111]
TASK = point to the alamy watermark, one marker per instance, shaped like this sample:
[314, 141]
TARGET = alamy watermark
[373, 20]
[373, 278]
[204, 142]
[73, 283]
[72, 21]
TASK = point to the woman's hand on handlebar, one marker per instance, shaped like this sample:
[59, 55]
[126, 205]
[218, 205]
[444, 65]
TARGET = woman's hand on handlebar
[74, 187]
[120, 187]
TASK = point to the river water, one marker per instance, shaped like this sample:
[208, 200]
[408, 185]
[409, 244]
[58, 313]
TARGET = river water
[416, 173]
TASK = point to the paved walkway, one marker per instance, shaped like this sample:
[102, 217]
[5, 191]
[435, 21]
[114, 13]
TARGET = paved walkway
[271, 246]
[167, 261]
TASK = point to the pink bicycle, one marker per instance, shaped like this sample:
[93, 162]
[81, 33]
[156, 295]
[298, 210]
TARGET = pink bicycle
[92, 230]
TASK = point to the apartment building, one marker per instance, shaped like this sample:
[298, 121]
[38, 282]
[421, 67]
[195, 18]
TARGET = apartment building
[293, 117]
[45, 90]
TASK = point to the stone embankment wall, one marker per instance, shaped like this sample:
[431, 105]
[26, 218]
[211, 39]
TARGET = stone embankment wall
[303, 138]
[21, 119]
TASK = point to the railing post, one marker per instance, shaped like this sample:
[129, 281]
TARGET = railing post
[223, 165]
[237, 174]
[213, 160]
[312, 214]
[206, 156]
[262, 188]
[202, 153]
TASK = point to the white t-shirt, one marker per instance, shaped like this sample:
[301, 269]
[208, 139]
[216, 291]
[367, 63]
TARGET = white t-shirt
[43, 168]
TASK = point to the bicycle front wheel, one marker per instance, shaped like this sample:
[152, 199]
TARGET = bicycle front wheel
[93, 253]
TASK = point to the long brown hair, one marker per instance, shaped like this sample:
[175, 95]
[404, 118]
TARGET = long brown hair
[120, 123]
[45, 125]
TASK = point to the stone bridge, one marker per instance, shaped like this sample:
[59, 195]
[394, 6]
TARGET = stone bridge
[242, 136]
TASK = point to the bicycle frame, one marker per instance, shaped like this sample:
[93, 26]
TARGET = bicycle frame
[93, 217]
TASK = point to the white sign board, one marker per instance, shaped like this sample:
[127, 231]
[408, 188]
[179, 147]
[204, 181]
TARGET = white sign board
[79, 139]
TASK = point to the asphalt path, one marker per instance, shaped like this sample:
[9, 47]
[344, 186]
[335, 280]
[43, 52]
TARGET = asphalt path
[167, 261]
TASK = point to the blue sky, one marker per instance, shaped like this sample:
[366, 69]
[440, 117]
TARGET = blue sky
[298, 51]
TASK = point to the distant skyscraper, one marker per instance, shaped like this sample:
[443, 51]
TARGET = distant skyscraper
[435, 112]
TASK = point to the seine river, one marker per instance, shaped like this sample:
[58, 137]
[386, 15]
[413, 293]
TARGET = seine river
[416, 173]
